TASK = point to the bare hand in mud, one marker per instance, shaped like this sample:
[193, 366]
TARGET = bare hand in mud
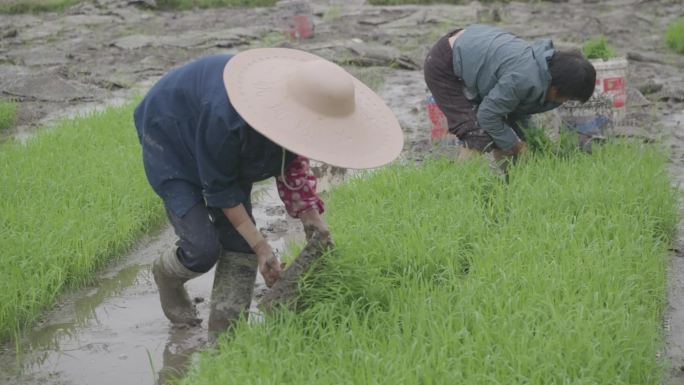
[269, 265]
[312, 221]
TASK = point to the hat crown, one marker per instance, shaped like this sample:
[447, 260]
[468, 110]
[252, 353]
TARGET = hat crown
[323, 87]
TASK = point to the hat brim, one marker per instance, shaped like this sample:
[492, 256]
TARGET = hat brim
[256, 83]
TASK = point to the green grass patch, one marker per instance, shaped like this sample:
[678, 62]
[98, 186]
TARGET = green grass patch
[189, 4]
[71, 199]
[674, 36]
[8, 115]
[25, 6]
[443, 274]
[598, 48]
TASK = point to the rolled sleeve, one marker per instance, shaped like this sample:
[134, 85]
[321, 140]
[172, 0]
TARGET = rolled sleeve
[499, 102]
[227, 198]
[523, 121]
[303, 196]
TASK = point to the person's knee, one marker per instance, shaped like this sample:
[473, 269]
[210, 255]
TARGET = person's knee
[200, 258]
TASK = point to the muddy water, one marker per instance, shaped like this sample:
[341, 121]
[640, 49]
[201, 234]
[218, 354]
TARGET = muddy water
[405, 93]
[115, 332]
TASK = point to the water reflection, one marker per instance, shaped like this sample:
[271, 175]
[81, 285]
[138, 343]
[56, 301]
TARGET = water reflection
[180, 347]
[48, 339]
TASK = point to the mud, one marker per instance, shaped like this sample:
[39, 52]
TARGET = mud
[105, 52]
[285, 290]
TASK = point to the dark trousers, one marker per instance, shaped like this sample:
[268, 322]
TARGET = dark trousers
[204, 232]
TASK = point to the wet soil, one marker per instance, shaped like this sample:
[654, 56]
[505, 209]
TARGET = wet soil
[106, 52]
[285, 291]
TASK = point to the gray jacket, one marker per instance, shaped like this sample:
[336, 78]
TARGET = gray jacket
[505, 75]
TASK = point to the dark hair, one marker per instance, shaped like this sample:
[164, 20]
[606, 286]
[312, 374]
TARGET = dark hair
[572, 75]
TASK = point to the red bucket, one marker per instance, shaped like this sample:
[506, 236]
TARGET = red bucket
[296, 19]
[438, 121]
[301, 28]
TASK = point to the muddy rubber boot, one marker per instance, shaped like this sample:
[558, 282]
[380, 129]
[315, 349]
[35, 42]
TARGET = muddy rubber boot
[232, 292]
[170, 275]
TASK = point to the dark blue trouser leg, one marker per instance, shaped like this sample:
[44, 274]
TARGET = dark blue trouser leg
[203, 232]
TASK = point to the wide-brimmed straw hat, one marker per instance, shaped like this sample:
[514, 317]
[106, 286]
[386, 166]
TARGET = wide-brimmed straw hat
[312, 107]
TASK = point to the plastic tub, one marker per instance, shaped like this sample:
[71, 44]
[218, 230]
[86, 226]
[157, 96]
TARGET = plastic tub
[607, 107]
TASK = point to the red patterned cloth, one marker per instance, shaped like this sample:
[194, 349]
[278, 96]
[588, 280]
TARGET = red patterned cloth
[303, 195]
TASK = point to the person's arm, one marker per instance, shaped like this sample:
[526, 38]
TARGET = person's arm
[496, 105]
[297, 190]
[520, 124]
[218, 160]
[269, 265]
[522, 121]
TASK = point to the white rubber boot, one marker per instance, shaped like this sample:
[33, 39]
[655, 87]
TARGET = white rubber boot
[170, 275]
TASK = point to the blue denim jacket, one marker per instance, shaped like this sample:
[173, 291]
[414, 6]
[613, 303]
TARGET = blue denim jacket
[195, 145]
[506, 76]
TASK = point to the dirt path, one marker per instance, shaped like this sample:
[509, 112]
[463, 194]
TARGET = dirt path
[105, 52]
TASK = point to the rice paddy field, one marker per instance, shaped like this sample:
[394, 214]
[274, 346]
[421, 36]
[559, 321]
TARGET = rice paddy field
[72, 199]
[443, 274]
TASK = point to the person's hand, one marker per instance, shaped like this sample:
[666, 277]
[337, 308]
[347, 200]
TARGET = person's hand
[518, 150]
[312, 221]
[269, 265]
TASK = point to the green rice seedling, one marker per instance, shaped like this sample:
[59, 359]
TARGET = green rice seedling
[444, 274]
[24, 6]
[539, 142]
[674, 36]
[598, 48]
[292, 249]
[71, 199]
[8, 115]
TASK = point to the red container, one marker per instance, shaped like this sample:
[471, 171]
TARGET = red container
[302, 27]
[296, 19]
[438, 122]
